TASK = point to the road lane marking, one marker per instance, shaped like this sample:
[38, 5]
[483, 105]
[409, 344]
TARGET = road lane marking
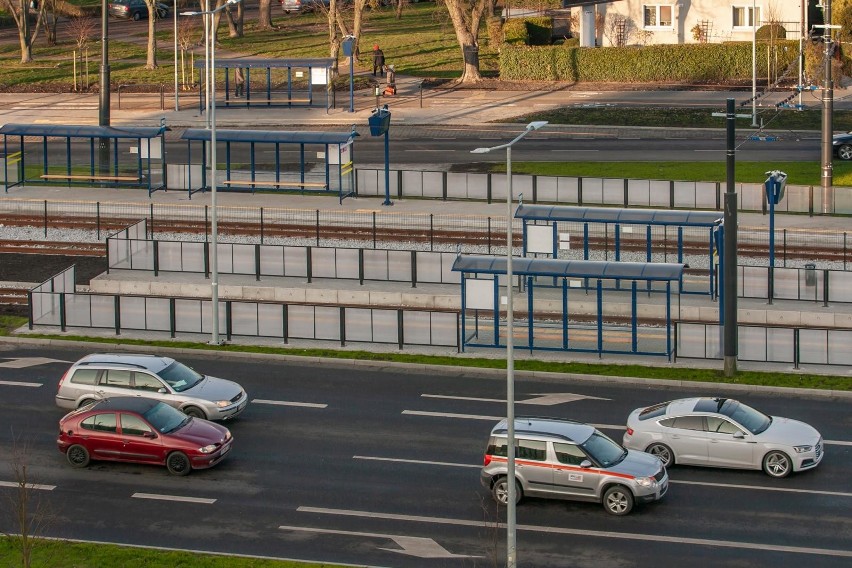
[14, 484]
[20, 384]
[22, 362]
[411, 545]
[569, 150]
[836, 443]
[287, 403]
[541, 399]
[762, 488]
[584, 532]
[420, 462]
[491, 418]
[154, 496]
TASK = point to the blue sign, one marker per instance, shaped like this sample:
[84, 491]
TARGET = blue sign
[775, 185]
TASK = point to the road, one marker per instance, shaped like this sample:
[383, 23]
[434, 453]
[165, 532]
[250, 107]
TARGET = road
[380, 467]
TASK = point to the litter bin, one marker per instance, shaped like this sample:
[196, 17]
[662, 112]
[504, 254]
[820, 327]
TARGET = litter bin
[810, 274]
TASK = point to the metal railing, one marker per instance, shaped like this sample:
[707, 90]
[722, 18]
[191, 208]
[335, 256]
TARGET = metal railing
[143, 89]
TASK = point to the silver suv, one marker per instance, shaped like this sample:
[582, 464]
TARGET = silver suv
[106, 375]
[561, 459]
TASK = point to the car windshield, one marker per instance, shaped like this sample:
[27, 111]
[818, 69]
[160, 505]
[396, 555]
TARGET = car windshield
[603, 450]
[180, 377]
[749, 418]
[166, 419]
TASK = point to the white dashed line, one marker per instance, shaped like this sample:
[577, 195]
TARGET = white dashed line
[288, 403]
[156, 497]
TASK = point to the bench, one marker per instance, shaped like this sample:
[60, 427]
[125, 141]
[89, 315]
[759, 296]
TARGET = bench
[280, 183]
[92, 178]
[238, 101]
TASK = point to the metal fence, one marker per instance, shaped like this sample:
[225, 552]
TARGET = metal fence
[826, 286]
[589, 191]
[769, 344]
[55, 303]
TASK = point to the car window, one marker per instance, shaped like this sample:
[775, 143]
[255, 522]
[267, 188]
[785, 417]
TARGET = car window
[146, 382]
[100, 423]
[166, 419]
[689, 423]
[85, 377]
[721, 426]
[668, 422]
[531, 450]
[603, 450]
[116, 378]
[569, 453]
[180, 377]
[132, 425]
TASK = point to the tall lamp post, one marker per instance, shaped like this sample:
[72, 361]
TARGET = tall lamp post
[511, 528]
[175, 14]
[754, 63]
[103, 96]
[214, 227]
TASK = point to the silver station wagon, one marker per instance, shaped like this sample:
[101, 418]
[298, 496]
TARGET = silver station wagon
[561, 459]
[106, 375]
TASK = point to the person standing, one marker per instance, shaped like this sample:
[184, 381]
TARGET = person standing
[239, 82]
[378, 60]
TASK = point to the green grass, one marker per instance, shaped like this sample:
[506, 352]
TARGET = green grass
[10, 323]
[64, 554]
[800, 173]
[521, 363]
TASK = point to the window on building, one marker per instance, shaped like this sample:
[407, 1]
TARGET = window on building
[743, 16]
[658, 15]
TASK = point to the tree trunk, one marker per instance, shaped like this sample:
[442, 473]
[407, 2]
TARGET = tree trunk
[264, 15]
[357, 24]
[151, 63]
[235, 20]
[399, 4]
[466, 26]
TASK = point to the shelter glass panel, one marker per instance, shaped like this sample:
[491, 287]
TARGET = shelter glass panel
[295, 261]
[192, 257]
[752, 343]
[226, 260]
[786, 283]
[690, 340]
[839, 341]
[416, 328]
[705, 195]
[592, 191]
[522, 183]
[498, 187]
[796, 198]
[457, 184]
[347, 263]
[811, 286]
[751, 196]
[244, 318]
[638, 192]
[207, 316]
[754, 282]
[376, 265]
[77, 310]
[103, 311]
[399, 266]
[477, 186]
[118, 252]
[157, 312]
[385, 326]
[132, 312]
[188, 316]
[444, 329]
[660, 195]
[322, 263]
[568, 190]
[270, 320]
[840, 286]
[170, 256]
[141, 254]
[843, 202]
[368, 182]
[359, 324]
[433, 184]
[448, 276]
[813, 346]
[684, 194]
[412, 182]
[613, 191]
[327, 321]
[428, 267]
[547, 189]
[271, 260]
[243, 259]
[300, 322]
[779, 345]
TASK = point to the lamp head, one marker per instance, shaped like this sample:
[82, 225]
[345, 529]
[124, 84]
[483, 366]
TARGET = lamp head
[480, 150]
[536, 124]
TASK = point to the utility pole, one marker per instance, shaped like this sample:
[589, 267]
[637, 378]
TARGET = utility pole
[103, 99]
[827, 110]
[729, 266]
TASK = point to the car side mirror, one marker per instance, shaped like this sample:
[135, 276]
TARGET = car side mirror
[162, 390]
[585, 464]
[150, 435]
[739, 435]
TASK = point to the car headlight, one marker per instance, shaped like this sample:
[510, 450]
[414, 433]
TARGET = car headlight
[223, 403]
[646, 481]
[802, 449]
[207, 449]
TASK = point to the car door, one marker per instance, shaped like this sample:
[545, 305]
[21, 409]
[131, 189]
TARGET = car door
[147, 385]
[568, 477]
[99, 434]
[687, 438]
[729, 445]
[140, 443]
[531, 465]
[115, 382]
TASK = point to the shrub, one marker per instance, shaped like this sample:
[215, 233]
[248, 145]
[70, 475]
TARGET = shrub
[515, 32]
[539, 30]
[770, 31]
[495, 31]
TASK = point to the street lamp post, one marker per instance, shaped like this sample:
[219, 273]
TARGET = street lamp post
[753, 63]
[511, 529]
[175, 13]
[103, 96]
[214, 227]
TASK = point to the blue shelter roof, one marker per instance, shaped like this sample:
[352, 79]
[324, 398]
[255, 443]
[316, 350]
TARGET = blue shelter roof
[81, 131]
[481, 264]
[576, 214]
[271, 136]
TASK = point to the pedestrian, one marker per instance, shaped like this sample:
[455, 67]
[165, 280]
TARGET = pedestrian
[239, 81]
[378, 60]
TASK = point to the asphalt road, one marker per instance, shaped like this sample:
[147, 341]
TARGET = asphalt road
[369, 466]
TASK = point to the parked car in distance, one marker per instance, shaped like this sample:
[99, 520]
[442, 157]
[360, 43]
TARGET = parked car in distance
[561, 459]
[842, 144]
[135, 9]
[105, 375]
[722, 432]
[141, 430]
[298, 6]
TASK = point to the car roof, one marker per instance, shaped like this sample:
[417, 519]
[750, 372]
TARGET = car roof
[566, 430]
[706, 405]
[132, 403]
[150, 362]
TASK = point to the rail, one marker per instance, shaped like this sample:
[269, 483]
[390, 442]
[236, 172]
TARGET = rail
[160, 86]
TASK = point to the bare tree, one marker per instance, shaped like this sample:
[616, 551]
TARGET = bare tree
[188, 36]
[19, 9]
[618, 30]
[31, 514]
[466, 16]
[50, 18]
[82, 29]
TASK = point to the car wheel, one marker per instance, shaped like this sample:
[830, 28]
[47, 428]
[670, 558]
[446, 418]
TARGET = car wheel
[500, 491]
[663, 452]
[178, 464]
[195, 412]
[618, 500]
[844, 152]
[77, 456]
[777, 464]
[86, 402]
[137, 16]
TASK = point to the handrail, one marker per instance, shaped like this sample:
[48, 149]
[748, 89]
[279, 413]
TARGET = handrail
[160, 86]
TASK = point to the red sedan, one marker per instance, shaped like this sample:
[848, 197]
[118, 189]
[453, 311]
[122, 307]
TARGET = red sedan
[141, 430]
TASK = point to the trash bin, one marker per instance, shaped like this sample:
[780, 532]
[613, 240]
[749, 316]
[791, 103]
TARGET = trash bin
[810, 274]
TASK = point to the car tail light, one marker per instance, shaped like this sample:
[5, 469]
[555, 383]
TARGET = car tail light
[65, 374]
[629, 431]
[487, 460]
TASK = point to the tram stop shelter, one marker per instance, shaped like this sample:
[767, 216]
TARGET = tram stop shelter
[274, 83]
[272, 160]
[136, 156]
[652, 235]
[549, 327]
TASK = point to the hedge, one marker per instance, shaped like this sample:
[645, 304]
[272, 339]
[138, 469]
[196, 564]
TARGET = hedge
[539, 30]
[515, 32]
[654, 63]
